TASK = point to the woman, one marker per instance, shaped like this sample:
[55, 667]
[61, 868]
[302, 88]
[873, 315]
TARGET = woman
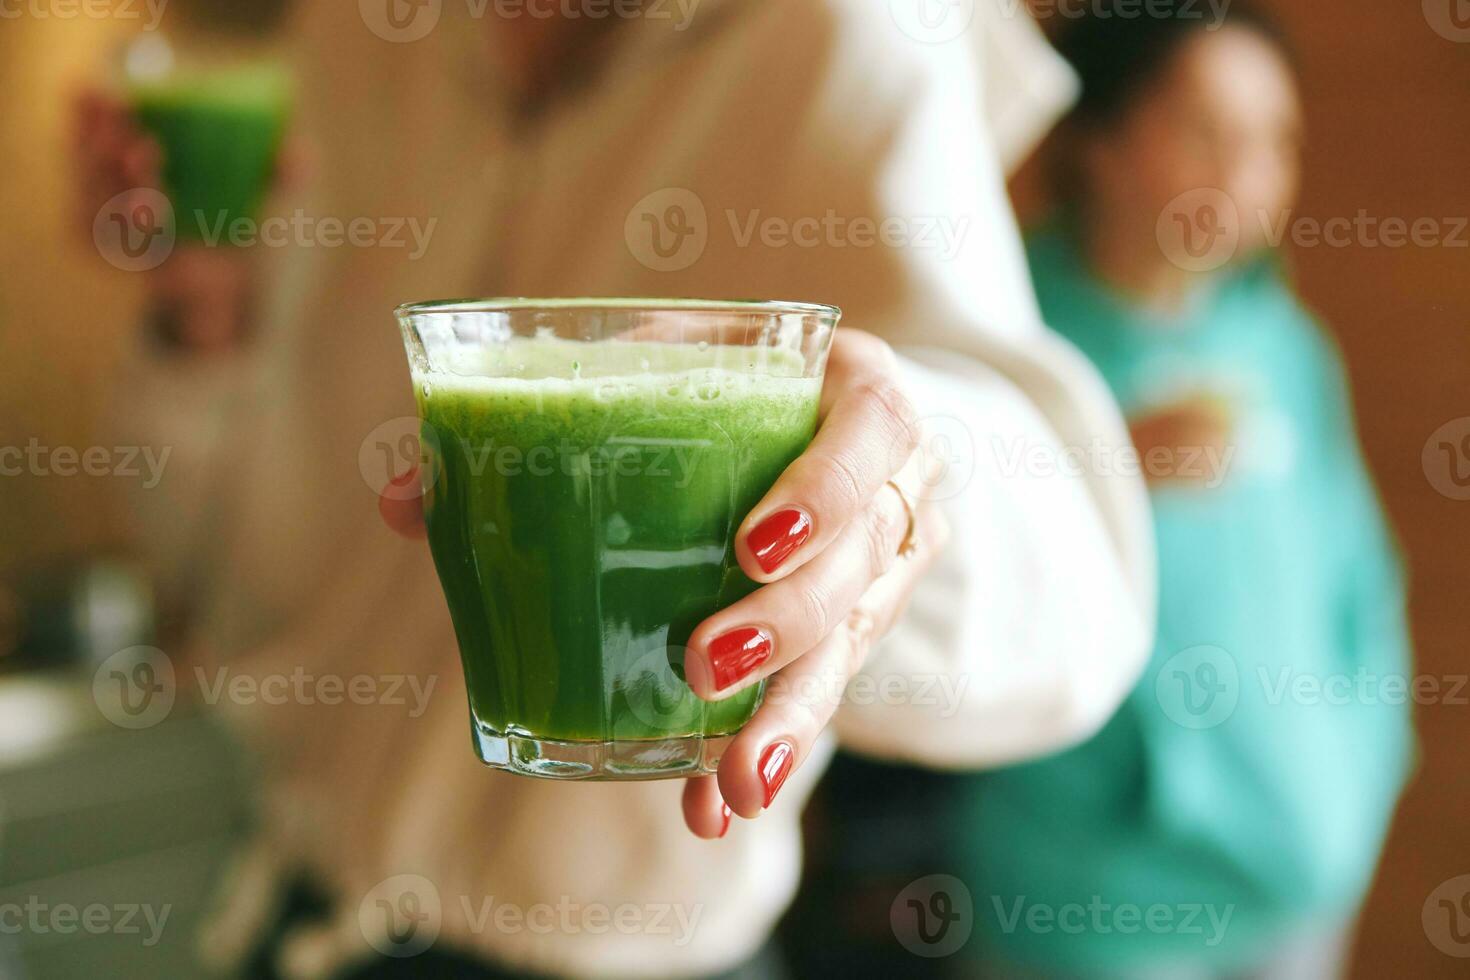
[539, 156]
[1223, 824]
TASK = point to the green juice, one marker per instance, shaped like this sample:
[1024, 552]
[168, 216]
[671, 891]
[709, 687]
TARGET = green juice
[581, 510]
[219, 133]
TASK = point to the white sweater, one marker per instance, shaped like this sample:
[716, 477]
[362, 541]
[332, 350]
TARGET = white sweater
[1026, 635]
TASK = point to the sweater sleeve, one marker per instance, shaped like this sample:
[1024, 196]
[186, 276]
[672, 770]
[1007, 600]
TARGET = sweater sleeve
[1034, 623]
[182, 410]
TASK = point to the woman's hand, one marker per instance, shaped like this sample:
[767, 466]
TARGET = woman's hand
[1186, 443]
[111, 155]
[825, 543]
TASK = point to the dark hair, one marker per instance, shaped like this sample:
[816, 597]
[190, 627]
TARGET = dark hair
[1118, 52]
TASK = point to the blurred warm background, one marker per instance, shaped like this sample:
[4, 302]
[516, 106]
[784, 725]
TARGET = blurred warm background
[1388, 135]
[1383, 97]
[63, 310]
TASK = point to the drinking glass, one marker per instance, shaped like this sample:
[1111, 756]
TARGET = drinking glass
[585, 466]
[219, 112]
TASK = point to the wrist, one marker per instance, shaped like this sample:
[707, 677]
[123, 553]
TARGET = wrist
[202, 300]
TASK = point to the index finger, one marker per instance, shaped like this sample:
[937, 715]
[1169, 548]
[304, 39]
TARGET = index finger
[869, 431]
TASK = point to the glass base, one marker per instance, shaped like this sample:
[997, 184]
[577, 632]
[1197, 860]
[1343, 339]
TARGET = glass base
[661, 758]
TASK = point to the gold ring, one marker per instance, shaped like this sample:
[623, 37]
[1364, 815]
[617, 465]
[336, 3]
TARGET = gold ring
[910, 543]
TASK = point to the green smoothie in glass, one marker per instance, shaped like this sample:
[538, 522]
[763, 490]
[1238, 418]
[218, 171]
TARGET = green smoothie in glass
[219, 132]
[582, 498]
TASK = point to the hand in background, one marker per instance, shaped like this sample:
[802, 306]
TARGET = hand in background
[200, 295]
[1186, 443]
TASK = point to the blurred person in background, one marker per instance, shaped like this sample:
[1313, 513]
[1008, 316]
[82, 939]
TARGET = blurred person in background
[530, 142]
[1218, 788]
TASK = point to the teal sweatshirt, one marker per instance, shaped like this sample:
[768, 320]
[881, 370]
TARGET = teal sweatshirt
[1242, 793]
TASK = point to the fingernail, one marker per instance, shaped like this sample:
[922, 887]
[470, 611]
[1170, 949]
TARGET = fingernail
[725, 814]
[774, 539]
[775, 766]
[405, 478]
[733, 655]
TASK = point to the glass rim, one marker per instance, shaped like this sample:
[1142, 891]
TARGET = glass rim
[510, 304]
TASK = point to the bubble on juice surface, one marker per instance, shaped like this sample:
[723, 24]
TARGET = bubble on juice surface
[607, 392]
[643, 364]
[708, 391]
[427, 390]
[703, 346]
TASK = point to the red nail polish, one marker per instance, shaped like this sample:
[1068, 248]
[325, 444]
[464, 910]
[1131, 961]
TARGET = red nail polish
[774, 539]
[725, 814]
[733, 655]
[775, 766]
